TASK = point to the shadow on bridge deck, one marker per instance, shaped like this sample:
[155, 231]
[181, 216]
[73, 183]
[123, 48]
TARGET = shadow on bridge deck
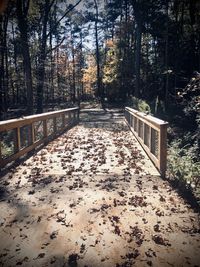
[93, 198]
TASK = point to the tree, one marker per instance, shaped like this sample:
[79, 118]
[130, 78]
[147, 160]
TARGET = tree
[22, 13]
[99, 82]
[4, 76]
[89, 75]
[111, 71]
[45, 11]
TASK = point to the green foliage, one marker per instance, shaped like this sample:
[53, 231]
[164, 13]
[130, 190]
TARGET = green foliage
[183, 164]
[6, 149]
[139, 104]
[190, 100]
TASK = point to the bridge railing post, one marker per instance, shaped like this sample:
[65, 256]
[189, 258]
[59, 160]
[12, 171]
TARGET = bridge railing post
[151, 132]
[163, 149]
[21, 132]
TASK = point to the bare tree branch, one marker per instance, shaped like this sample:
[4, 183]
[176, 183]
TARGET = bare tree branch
[50, 50]
[67, 12]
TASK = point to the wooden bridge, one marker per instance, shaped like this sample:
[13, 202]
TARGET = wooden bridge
[89, 195]
[25, 134]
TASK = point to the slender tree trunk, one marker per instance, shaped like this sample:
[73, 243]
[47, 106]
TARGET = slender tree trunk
[2, 108]
[138, 58]
[42, 58]
[15, 100]
[194, 47]
[3, 65]
[166, 56]
[73, 93]
[138, 39]
[22, 24]
[81, 66]
[52, 65]
[199, 50]
[99, 92]
[7, 98]
[121, 78]
[40, 81]
[57, 74]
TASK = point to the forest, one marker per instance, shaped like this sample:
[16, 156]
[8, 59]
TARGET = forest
[144, 54]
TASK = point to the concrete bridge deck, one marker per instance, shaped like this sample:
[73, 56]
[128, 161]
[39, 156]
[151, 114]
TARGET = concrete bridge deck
[93, 198]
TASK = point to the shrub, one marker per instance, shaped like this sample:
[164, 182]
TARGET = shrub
[139, 104]
[184, 165]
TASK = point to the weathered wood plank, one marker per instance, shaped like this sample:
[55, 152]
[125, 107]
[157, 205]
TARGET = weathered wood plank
[156, 124]
[16, 124]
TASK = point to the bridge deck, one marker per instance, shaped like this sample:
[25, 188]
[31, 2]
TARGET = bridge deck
[93, 198]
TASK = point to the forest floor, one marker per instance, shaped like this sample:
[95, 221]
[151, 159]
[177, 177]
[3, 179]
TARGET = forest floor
[93, 198]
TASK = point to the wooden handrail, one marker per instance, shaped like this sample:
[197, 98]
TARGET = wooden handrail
[151, 132]
[13, 129]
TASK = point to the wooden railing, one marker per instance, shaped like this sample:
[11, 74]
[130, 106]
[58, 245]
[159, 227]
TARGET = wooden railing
[152, 135]
[20, 136]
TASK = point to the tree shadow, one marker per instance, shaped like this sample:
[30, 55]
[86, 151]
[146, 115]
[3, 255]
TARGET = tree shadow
[186, 193]
[3, 193]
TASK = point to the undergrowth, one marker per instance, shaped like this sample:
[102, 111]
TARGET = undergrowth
[139, 104]
[183, 166]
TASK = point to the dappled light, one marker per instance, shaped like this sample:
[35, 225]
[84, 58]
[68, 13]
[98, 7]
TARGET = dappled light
[99, 133]
[92, 197]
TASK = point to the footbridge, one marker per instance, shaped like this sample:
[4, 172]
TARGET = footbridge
[86, 188]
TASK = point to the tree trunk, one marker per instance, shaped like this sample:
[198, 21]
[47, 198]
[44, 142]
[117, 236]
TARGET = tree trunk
[73, 93]
[2, 108]
[22, 24]
[42, 58]
[138, 39]
[51, 64]
[81, 90]
[99, 91]
[40, 80]
[166, 57]
[138, 34]
[3, 65]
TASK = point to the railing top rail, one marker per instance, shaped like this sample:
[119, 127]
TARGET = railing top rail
[6, 125]
[151, 119]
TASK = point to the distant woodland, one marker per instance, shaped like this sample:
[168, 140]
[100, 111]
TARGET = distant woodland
[56, 53]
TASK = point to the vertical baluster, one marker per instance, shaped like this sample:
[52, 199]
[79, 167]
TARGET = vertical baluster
[45, 132]
[150, 138]
[153, 141]
[54, 126]
[143, 131]
[1, 159]
[69, 117]
[63, 120]
[17, 140]
[32, 135]
[162, 153]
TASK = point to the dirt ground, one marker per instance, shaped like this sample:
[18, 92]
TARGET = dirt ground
[93, 198]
